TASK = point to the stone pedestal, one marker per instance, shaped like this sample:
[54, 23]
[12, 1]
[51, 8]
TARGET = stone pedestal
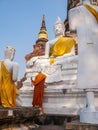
[90, 100]
[88, 116]
[60, 97]
[90, 113]
[76, 125]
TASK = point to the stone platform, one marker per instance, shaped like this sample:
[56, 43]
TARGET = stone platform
[62, 101]
[18, 115]
[27, 118]
[80, 126]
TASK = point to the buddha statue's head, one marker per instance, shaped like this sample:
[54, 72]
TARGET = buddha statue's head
[9, 52]
[59, 28]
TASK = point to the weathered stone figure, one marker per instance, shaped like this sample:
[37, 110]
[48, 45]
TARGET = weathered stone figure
[60, 45]
[84, 20]
[8, 77]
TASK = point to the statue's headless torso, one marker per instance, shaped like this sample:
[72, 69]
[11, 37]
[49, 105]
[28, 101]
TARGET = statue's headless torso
[85, 22]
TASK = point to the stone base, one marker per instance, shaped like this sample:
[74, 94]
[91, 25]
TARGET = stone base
[80, 126]
[17, 115]
[26, 98]
[61, 110]
[88, 116]
[59, 101]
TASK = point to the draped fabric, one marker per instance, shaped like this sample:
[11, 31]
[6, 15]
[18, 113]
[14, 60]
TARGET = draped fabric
[38, 90]
[62, 46]
[92, 10]
[8, 89]
[52, 60]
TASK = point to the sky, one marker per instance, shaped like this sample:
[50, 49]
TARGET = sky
[20, 23]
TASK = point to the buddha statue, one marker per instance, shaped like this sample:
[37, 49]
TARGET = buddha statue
[59, 48]
[8, 77]
[61, 45]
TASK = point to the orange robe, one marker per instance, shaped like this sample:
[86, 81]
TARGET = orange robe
[8, 89]
[38, 90]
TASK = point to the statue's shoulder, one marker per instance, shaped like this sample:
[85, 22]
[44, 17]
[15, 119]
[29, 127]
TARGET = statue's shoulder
[10, 64]
[15, 64]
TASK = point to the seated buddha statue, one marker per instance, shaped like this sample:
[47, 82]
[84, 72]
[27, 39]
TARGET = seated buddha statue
[61, 45]
[8, 77]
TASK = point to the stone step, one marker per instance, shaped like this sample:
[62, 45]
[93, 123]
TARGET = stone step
[16, 115]
[80, 126]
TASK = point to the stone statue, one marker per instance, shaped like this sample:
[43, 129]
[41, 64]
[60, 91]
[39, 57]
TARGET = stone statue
[84, 20]
[60, 42]
[8, 77]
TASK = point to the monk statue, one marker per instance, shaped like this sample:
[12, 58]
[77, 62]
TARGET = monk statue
[61, 45]
[8, 77]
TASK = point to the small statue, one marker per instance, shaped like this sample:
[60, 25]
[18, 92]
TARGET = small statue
[8, 77]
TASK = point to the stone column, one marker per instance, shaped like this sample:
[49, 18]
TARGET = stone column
[90, 100]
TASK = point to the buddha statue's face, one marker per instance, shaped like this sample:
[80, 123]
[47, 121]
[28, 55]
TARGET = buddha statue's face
[9, 52]
[59, 28]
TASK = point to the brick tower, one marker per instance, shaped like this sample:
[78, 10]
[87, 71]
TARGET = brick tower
[39, 46]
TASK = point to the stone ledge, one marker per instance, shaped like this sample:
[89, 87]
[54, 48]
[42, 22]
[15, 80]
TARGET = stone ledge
[80, 126]
[17, 115]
